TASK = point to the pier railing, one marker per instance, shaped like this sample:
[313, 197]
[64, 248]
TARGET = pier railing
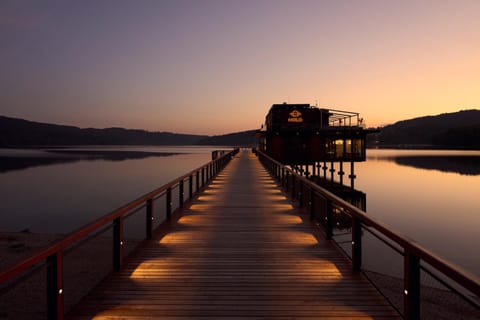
[428, 283]
[39, 282]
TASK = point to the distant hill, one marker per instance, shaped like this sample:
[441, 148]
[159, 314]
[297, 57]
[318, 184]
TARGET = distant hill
[243, 138]
[449, 130]
[19, 132]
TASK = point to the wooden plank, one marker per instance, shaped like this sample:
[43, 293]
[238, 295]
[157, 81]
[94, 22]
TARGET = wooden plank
[241, 250]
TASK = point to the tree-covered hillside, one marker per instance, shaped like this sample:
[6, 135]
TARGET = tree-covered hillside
[19, 132]
[449, 130]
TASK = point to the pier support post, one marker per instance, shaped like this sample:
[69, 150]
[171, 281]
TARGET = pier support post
[341, 173]
[352, 175]
[332, 171]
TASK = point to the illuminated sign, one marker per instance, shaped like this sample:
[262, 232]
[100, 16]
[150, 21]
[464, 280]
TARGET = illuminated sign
[295, 116]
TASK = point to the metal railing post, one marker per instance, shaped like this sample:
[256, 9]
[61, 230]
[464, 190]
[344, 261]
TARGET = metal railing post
[55, 286]
[117, 243]
[411, 294]
[328, 218]
[180, 194]
[149, 218]
[300, 194]
[293, 187]
[356, 244]
[312, 201]
[190, 187]
[169, 203]
[197, 181]
[287, 180]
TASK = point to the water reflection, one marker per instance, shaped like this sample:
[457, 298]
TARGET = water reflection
[466, 165]
[341, 221]
[410, 192]
[57, 192]
[437, 208]
[13, 161]
[461, 162]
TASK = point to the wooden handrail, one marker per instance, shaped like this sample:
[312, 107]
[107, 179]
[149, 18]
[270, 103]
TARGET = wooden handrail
[56, 249]
[461, 276]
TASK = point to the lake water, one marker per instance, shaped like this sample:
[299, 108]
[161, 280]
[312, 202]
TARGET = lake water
[430, 196]
[57, 192]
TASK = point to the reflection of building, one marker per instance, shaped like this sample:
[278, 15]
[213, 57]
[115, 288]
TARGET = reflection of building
[299, 134]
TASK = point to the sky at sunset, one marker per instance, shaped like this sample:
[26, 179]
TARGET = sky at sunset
[215, 67]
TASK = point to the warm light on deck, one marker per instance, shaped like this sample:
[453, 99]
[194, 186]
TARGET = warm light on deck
[275, 197]
[200, 207]
[206, 198]
[149, 269]
[271, 191]
[212, 191]
[281, 206]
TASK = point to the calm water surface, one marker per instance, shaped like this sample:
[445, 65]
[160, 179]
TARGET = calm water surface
[430, 196]
[57, 192]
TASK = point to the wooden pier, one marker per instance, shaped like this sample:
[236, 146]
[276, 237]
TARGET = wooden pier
[238, 250]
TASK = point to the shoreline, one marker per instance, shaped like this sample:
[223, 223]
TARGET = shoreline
[17, 246]
[84, 267]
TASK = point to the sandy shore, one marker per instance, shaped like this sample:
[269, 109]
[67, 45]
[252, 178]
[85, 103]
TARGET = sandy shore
[84, 267]
[16, 246]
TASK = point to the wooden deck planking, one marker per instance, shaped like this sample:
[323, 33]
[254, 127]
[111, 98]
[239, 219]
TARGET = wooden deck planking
[239, 251]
